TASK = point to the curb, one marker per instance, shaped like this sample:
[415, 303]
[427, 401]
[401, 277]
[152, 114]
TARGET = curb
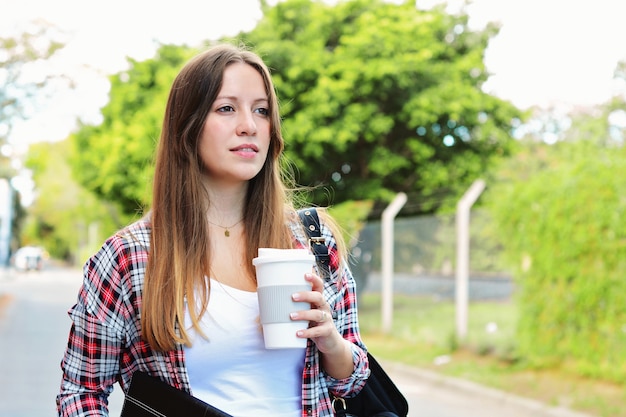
[537, 408]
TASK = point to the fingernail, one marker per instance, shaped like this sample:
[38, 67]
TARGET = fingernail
[295, 296]
[293, 316]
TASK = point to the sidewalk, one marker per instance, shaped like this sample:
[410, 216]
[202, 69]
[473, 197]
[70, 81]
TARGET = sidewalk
[460, 387]
[47, 297]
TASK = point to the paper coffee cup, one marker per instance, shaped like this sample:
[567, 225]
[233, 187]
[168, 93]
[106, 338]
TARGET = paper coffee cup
[279, 274]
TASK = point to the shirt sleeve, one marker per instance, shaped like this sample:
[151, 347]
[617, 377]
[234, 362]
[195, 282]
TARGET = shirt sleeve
[340, 291]
[91, 362]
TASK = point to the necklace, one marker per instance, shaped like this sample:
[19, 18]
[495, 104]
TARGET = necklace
[226, 228]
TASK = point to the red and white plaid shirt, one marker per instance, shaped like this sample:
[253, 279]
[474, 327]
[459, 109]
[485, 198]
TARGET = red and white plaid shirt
[105, 344]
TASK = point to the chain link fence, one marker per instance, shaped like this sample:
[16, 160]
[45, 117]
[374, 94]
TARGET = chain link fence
[425, 257]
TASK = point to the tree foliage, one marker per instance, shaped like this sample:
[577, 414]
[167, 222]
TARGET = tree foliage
[69, 221]
[380, 98]
[559, 221]
[24, 81]
[557, 211]
[114, 159]
[376, 98]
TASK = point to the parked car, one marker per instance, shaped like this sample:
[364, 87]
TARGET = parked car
[29, 258]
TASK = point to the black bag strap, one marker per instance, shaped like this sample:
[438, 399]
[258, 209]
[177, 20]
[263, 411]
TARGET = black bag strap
[380, 397]
[311, 221]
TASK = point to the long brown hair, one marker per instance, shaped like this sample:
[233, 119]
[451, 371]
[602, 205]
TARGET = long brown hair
[179, 257]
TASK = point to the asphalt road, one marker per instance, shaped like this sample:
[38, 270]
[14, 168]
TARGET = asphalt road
[33, 332]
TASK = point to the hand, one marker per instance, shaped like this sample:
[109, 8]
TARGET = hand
[321, 329]
[336, 354]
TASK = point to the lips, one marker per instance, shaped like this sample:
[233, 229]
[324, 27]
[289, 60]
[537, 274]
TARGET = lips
[246, 148]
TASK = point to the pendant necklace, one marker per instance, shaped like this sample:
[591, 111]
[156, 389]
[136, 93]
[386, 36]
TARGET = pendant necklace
[226, 228]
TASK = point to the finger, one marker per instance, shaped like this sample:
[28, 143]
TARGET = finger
[323, 317]
[316, 282]
[323, 305]
[314, 298]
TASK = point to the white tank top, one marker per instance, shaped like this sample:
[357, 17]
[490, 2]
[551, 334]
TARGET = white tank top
[232, 370]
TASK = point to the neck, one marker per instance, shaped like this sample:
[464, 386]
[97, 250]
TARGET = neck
[225, 206]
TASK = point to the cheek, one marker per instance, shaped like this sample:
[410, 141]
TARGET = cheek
[210, 135]
[266, 136]
[207, 151]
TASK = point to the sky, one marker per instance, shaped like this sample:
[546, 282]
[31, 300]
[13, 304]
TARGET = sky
[548, 52]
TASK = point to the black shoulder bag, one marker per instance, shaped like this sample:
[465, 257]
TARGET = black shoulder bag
[379, 397]
[148, 396]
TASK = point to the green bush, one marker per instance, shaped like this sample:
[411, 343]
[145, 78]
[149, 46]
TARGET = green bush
[562, 228]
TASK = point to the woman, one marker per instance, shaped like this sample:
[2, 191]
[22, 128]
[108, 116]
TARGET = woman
[174, 293]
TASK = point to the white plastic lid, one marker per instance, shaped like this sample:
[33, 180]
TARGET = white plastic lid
[283, 255]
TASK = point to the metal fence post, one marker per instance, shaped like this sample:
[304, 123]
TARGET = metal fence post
[388, 217]
[462, 255]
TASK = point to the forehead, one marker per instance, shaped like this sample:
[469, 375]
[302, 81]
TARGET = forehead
[242, 78]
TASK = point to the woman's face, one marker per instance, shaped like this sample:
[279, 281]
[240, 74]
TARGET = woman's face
[236, 133]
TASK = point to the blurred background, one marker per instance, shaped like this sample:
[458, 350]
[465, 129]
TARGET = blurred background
[378, 98]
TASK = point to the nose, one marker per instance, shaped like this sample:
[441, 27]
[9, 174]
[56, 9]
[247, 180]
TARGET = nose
[246, 125]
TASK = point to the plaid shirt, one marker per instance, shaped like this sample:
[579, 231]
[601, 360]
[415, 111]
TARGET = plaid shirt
[105, 344]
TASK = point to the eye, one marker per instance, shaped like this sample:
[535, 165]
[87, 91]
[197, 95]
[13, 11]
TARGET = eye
[225, 109]
[262, 110]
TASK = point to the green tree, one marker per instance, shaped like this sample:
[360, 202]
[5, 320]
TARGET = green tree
[114, 159]
[377, 98]
[380, 98]
[69, 221]
[561, 228]
[24, 83]
[557, 211]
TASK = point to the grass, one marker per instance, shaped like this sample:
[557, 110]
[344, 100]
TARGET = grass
[423, 335]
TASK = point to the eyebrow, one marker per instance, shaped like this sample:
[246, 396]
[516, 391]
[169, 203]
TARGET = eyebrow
[235, 98]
